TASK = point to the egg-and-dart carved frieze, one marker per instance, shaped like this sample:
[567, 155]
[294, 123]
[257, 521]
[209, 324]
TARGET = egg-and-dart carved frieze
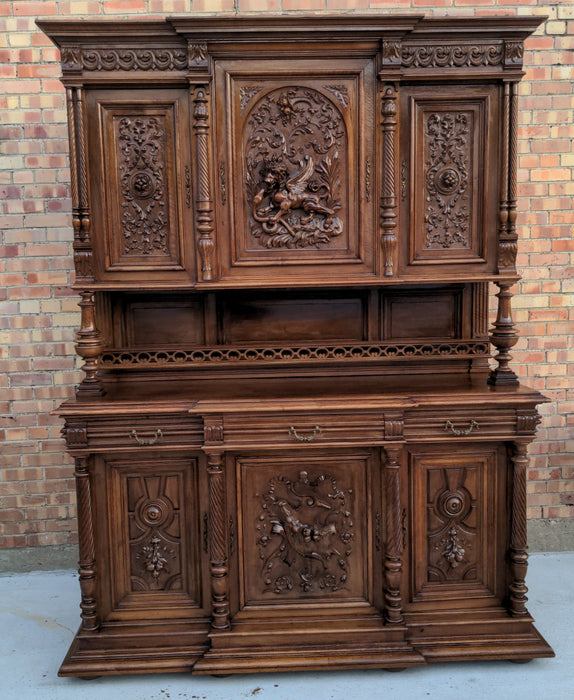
[144, 213]
[294, 143]
[305, 533]
[447, 211]
[76, 58]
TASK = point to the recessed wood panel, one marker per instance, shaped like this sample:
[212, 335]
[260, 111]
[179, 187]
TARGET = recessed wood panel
[421, 315]
[169, 322]
[248, 318]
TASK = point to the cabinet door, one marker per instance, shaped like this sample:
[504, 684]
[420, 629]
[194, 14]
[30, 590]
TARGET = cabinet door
[140, 164]
[458, 498]
[295, 149]
[152, 546]
[305, 533]
[450, 161]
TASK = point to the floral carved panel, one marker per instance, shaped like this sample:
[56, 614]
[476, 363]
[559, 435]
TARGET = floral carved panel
[304, 537]
[143, 183]
[295, 147]
[450, 153]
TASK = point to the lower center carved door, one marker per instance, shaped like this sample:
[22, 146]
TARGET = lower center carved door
[306, 531]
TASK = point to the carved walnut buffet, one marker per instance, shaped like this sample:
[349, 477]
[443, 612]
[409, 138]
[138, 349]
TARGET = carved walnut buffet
[290, 451]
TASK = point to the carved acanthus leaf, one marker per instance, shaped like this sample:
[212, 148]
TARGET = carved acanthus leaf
[471, 56]
[74, 58]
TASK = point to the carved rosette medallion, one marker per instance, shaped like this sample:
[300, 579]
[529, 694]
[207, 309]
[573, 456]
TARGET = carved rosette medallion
[451, 529]
[145, 220]
[155, 538]
[294, 143]
[447, 164]
[305, 531]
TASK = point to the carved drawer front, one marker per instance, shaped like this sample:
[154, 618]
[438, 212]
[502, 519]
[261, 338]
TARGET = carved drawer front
[144, 433]
[141, 196]
[450, 154]
[306, 429]
[460, 424]
[303, 533]
[457, 511]
[294, 171]
[154, 536]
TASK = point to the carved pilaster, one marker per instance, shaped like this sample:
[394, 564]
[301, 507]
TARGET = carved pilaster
[204, 203]
[503, 336]
[218, 542]
[393, 545]
[389, 191]
[81, 220]
[89, 346]
[87, 563]
[518, 541]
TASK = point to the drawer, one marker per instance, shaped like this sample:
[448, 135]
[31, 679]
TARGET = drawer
[139, 432]
[303, 429]
[460, 424]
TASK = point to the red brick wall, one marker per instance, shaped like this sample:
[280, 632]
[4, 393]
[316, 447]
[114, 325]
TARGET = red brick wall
[39, 313]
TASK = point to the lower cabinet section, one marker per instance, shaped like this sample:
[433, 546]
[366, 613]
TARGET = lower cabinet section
[227, 561]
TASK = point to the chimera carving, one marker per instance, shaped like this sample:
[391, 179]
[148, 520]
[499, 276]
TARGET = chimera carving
[295, 141]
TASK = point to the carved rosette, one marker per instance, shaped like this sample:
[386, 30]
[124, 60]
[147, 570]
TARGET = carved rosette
[143, 167]
[305, 533]
[447, 164]
[451, 527]
[295, 141]
[155, 533]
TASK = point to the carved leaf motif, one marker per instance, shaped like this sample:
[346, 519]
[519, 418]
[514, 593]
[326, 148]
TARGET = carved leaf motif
[451, 525]
[125, 59]
[155, 536]
[246, 93]
[447, 147]
[294, 141]
[452, 56]
[340, 92]
[144, 220]
[305, 530]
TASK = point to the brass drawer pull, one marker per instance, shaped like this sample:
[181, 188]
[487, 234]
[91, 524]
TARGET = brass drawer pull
[473, 425]
[305, 438]
[143, 441]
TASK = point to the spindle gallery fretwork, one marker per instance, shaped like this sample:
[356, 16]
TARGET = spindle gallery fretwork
[293, 449]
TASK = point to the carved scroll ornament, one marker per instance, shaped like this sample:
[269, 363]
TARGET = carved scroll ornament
[305, 531]
[295, 141]
[75, 58]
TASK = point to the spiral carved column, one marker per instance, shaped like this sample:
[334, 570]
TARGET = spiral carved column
[87, 563]
[218, 542]
[393, 546]
[518, 539]
[389, 192]
[204, 203]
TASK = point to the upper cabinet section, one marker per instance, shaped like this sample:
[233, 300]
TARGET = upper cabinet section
[292, 151]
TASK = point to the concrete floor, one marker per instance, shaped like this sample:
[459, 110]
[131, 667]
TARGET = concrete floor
[39, 615]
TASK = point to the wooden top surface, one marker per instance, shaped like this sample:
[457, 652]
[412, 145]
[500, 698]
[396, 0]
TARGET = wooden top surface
[300, 394]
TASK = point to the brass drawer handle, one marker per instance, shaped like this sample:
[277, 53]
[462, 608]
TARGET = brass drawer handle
[305, 438]
[473, 425]
[143, 441]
